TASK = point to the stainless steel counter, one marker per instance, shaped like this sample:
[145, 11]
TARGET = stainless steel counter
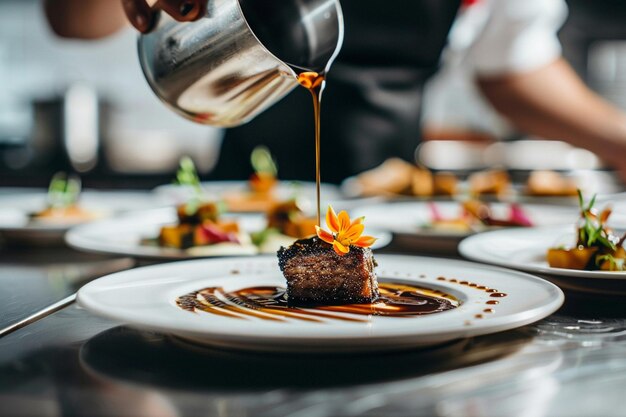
[73, 363]
[31, 279]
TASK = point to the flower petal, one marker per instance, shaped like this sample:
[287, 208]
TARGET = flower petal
[358, 220]
[340, 249]
[365, 241]
[354, 232]
[324, 235]
[331, 220]
[344, 220]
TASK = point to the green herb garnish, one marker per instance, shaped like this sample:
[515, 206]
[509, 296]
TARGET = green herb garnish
[187, 176]
[263, 162]
[63, 190]
[592, 231]
[260, 237]
[616, 264]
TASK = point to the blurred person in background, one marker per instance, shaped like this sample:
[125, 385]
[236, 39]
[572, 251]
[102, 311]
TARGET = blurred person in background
[372, 103]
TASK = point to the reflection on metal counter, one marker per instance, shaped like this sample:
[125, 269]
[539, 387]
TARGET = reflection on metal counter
[540, 370]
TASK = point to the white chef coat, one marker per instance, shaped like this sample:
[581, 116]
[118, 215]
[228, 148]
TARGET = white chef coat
[504, 36]
[490, 38]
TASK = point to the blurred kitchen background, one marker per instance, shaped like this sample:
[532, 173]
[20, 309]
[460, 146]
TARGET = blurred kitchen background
[84, 106]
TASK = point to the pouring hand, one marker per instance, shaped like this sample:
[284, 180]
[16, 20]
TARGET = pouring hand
[142, 15]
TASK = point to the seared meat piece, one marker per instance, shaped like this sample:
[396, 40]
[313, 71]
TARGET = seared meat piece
[316, 275]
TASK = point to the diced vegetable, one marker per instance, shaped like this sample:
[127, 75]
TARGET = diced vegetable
[210, 233]
[577, 258]
[178, 236]
[262, 183]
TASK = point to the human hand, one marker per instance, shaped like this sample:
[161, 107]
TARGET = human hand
[142, 14]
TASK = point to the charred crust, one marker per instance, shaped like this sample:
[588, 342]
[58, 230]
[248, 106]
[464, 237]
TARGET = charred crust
[315, 246]
[316, 275]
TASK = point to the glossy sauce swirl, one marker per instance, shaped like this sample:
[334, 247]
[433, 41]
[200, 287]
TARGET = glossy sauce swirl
[270, 303]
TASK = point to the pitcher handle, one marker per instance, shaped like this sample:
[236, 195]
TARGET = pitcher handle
[143, 16]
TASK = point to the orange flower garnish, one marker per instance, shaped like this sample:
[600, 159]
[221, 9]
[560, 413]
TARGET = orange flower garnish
[344, 232]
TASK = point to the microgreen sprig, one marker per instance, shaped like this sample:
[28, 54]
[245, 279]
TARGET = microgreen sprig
[63, 190]
[262, 161]
[592, 231]
[616, 264]
[187, 175]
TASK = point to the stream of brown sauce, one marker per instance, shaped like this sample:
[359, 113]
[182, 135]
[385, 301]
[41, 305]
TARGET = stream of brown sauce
[270, 303]
[315, 83]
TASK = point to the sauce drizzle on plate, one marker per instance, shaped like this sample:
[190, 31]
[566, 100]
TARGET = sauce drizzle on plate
[269, 303]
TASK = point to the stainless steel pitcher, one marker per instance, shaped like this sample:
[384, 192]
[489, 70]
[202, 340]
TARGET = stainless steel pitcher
[237, 57]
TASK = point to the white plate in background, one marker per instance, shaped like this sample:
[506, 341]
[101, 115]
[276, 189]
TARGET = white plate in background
[15, 211]
[525, 249]
[411, 217]
[123, 235]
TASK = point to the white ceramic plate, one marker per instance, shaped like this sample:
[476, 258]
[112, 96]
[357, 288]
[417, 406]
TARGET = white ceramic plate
[406, 221]
[145, 298]
[123, 236]
[176, 194]
[15, 210]
[525, 249]
[409, 217]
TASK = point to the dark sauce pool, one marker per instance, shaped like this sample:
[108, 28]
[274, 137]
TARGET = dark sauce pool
[270, 303]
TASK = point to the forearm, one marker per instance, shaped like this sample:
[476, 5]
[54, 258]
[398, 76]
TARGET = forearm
[85, 19]
[554, 103]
